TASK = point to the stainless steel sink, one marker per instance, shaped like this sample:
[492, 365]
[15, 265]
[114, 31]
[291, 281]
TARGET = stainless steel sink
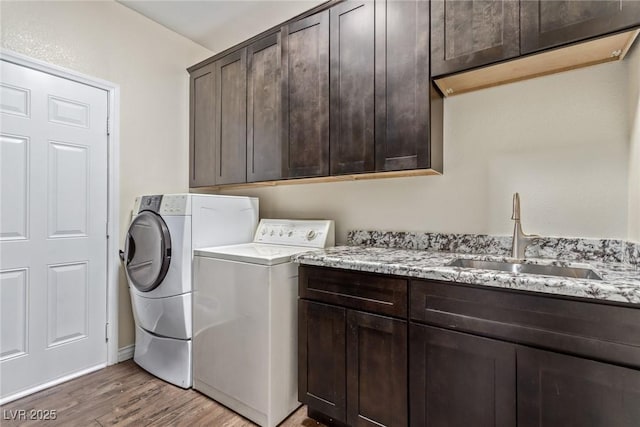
[545, 270]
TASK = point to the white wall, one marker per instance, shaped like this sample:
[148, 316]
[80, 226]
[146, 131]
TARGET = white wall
[633, 70]
[560, 140]
[107, 40]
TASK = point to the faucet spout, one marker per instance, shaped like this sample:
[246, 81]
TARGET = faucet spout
[520, 240]
[515, 215]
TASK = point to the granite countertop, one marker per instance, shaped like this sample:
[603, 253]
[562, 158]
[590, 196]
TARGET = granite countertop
[620, 281]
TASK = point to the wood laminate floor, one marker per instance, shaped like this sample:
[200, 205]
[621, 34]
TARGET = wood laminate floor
[126, 395]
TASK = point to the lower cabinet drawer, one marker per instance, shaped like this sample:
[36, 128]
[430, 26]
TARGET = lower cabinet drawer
[595, 330]
[361, 291]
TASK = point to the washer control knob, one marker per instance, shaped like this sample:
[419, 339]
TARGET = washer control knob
[264, 231]
[290, 233]
[272, 232]
[311, 235]
[281, 233]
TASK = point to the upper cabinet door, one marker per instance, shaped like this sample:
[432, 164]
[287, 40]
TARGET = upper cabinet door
[352, 109]
[549, 23]
[471, 33]
[305, 97]
[231, 119]
[202, 153]
[402, 85]
[263, 110]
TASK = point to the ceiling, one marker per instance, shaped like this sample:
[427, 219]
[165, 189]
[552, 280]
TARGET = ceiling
[219, 24]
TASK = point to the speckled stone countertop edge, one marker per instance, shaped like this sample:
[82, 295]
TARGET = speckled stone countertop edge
[621, 282]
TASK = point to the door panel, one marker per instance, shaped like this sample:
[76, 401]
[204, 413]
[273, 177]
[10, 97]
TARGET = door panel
[352, 38]
[471, 33]
[13, 297]
[560, 390]
[549, 23]
[53, 237]
[376, 370]
[402, 85]
[305, 97]
[68, 190]
[14, 185]
[202, 153]
[321, 358]
[461, 380]
[231, 118]
[264, 155]
[67, 308]
[14, 100]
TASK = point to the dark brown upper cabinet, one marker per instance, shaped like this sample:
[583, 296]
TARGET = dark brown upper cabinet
[264, 161]
[352, 45]
[408, 111]
[305, 97]
[550, 23]
[231, 118]
[202, 153]
[470, 33]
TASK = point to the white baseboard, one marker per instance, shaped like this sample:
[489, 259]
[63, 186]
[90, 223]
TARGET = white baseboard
[55, 382]
[126, 353]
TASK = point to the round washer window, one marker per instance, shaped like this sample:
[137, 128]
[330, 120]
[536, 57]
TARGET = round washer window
[147, 251]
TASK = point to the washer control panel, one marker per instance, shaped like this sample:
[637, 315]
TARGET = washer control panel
[291, 232]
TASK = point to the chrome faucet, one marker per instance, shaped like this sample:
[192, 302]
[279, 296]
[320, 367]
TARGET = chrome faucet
[520, 240]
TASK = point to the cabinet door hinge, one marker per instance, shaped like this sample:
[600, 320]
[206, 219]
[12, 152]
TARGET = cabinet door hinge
[106, 332]
[108, 126]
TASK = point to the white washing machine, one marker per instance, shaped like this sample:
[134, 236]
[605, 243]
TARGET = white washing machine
[158, 258]
[245, 319]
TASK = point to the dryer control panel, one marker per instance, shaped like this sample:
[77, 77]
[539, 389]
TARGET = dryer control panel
[175, 204]
[150, 203]
[290, 232]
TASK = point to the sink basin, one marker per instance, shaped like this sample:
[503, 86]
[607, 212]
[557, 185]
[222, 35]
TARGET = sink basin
[513, 267]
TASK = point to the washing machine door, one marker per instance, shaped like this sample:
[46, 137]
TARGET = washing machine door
[147, 251]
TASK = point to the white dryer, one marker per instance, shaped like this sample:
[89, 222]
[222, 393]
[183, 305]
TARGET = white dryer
[158, 258]
[245, 319]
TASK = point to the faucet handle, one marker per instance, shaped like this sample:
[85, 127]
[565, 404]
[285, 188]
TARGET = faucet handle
[515, 215]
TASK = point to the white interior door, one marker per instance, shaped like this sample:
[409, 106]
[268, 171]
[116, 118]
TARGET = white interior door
[53, 215]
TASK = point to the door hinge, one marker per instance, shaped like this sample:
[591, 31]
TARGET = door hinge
[108, 127]
[106, 229]
[106, 332]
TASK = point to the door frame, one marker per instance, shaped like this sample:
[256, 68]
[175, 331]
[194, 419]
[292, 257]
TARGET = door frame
[113, 184]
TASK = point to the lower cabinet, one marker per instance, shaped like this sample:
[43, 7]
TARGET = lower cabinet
[559, 390]
[460, 380]
[457, 379]
[352, 365]
[462, 355]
